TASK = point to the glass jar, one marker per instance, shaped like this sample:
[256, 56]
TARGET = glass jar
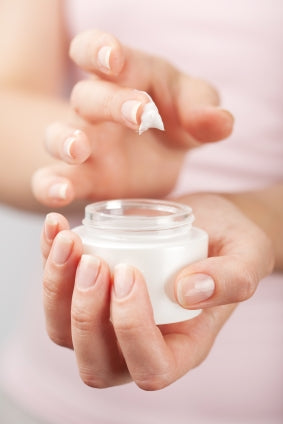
[155, 236]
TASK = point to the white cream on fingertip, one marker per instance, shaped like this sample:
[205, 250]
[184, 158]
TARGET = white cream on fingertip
[150, 117]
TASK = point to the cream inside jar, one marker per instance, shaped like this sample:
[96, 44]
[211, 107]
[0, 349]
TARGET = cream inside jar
[155, 236]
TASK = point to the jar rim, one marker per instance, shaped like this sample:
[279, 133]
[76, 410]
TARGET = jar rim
[137, 215]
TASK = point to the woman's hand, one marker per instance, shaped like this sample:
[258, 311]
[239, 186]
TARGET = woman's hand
[240, 255]
[100, 153]
[108, 320]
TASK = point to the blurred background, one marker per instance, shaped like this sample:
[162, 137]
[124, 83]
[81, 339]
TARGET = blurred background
[20, 268]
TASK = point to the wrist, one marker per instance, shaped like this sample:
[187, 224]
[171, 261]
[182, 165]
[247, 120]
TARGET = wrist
[264, 208]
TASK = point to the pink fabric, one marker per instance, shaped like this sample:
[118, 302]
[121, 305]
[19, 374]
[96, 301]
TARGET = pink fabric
[238, 46]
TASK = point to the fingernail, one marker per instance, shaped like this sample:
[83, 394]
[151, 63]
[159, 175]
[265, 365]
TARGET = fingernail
[130, 109]
[87, 272]
[103, 57]
[58, 191]
[50, 227]
[123, 280]
[61, 249]
[69, 142]
[194, 288]
[68, 146]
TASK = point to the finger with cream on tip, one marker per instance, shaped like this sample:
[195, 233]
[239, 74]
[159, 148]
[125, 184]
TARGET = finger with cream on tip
[150, 117]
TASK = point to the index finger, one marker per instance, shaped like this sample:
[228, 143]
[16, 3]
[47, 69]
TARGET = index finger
[53, 224]
[182, 100]
[97, 51]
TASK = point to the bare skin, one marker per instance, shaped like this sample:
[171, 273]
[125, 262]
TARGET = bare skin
[80, 296]
[108, 159]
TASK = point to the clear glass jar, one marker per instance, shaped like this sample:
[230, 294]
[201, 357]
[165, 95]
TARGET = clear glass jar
[155, 236]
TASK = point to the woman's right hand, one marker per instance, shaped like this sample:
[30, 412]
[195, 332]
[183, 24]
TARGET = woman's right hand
[108, 320]
[100, 153]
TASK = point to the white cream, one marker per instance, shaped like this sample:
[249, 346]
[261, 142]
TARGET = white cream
[155, 236]
[150, 117]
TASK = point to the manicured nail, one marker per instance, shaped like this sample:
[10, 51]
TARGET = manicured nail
[123, 280]
[50, 227]
[130, 109]
[62, 249]
[58, 191]
[69, 142]
[194, 288]
[68, 146]
[87, 272]
[103, 57]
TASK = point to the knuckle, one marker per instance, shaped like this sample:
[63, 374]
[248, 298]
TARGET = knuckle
[156, 378]
[125, 327]
[50, 289]
[208, 92]
[59, 339]
[127, 321]
[94, 379]
[77, 92]
[82, 320]
[248, 284]
[129, 329]
[52, 131]
[154, 382]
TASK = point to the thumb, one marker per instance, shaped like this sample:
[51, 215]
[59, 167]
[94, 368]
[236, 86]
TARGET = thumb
[199, 110]
[216, 281]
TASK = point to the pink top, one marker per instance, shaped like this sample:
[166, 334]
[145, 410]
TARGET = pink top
[238, 46]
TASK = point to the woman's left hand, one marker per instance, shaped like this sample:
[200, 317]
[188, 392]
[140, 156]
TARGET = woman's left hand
[101, 155]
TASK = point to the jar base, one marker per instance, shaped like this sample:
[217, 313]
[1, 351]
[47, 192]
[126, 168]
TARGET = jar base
[176, 314]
